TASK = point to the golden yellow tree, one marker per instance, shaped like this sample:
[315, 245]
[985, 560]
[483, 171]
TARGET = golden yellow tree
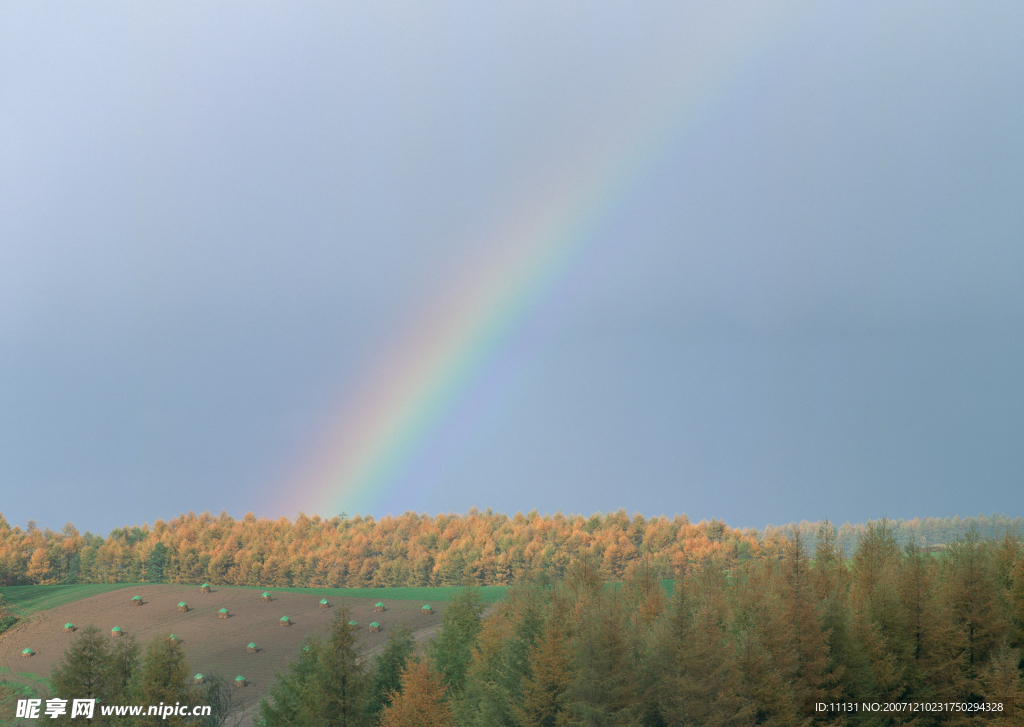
[421, 701]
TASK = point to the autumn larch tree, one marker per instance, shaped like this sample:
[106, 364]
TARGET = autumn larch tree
[421, 703]
[388, 667]
[545, 687]
[694, 676]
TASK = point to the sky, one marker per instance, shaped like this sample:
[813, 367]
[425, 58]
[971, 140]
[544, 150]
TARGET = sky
[760, 262]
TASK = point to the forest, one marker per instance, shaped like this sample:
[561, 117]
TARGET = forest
[484, 548]
[766, 640]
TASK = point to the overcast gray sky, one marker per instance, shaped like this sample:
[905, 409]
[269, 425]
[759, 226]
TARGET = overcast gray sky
[756, 263]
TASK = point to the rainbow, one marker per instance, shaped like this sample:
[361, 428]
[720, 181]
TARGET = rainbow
[411, 398]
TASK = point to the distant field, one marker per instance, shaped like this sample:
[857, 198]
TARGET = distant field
[26, 600]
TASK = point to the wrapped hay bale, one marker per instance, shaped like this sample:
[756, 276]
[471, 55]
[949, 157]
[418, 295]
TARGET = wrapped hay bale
[239, 681]
[223, 613]
[265, 596]
[183, 607]
[69, 628]
[285, 621]
[116, 632]
[374, 627]
[251, 648]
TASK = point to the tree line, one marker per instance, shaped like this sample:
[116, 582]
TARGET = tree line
[410, 550]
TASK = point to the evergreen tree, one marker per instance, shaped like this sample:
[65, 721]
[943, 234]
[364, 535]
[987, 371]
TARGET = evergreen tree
[156, 563]
[1001, 683]
[388, 668]
[877, 622]
[288, 702]
[501, 660]
[421, 702]
[125, 670]
[165, 677]
[487, 697]
[1009, 556]
[452, 652]
[544, 689]
[85, 671]
[973, 597]
[813, 680]
[832, 592]
[1015, 603]
[764, 648]
[933, 665]
[695, 679]
[328, 685]
[342, 689]
[605, 686]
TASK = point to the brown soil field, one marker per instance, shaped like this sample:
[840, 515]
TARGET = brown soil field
[213, 645]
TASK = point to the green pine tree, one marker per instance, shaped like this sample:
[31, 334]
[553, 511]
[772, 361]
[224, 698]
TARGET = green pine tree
[343, 687]
[388, 667]
[85, 672]
[973, 596]
[695, 679]
[605, 689]
[814, 679]
[544, 689]
[452, 652]
[164, 679]
[328, 685]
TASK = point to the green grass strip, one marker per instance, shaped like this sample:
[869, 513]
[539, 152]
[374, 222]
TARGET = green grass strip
[25, 600]
[488, 594]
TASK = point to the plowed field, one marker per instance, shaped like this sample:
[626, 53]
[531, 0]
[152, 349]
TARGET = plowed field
[213, 645]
